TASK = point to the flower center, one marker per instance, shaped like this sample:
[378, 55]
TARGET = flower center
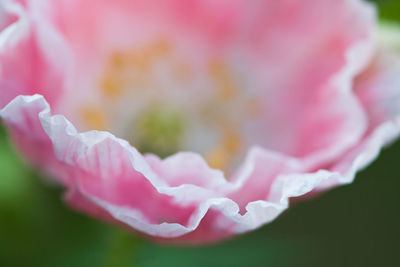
[159, 130]
[163, 102]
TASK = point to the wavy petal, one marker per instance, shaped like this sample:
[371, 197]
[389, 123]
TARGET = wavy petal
[33, 56]
[108, 178]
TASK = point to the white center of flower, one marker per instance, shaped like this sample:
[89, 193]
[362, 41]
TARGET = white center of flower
[163, 103]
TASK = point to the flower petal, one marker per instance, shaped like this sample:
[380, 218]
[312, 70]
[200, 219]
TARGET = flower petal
[108, 178]
[333, 43]
[340, 130]
[33, 56]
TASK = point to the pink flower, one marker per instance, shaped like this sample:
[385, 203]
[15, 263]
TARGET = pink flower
[275, 99]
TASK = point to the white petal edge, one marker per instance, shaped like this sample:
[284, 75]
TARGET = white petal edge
[257, 213]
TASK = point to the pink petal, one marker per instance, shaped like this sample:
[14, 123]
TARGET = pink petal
[378, 88]
[107, 177]
[312, 81]
[33, 55]
[318, 130]
[333, 42]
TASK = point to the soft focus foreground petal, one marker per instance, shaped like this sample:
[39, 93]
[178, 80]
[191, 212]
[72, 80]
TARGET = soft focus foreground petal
[104, 176]
[21, 118]
[33, 56]
[108, 178]
[95, 163]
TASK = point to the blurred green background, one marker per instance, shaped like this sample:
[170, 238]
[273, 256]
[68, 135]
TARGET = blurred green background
[355, 225]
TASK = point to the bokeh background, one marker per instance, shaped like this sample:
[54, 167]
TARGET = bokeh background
[354, 225]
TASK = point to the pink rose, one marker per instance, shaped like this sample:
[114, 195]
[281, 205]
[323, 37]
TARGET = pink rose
[273, 99]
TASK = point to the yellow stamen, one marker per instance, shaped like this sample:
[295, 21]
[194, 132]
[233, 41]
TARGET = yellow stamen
[142, 59]
[223, 79]
[110, 85]
[221, 156]
[140, 62]
[117, 60]
[94, 118]
[232, 141]
[218, 158]
[159, 48]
